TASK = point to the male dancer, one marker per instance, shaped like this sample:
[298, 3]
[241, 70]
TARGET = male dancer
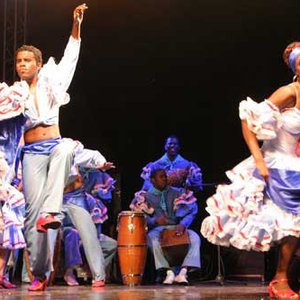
[47, 159]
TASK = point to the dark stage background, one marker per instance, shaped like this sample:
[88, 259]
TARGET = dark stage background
[150, 68]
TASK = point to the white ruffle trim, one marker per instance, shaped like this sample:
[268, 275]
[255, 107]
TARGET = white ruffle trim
[12, 219]
[242, 216]
[263, 119]
[12, 99]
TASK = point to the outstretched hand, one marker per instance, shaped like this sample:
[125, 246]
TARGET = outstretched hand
[106, 166]
[79, 12]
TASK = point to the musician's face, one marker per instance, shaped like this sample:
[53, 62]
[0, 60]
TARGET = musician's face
[160, 181]
[172, 146]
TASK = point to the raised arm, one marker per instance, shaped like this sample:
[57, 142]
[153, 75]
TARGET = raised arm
[77, 20]
[60, 75]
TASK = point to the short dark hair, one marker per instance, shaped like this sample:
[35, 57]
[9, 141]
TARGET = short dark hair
[172, 136]
[36, 52]
[155, 170]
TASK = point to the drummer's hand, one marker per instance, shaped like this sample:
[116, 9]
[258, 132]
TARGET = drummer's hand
[162, 220]
[179, 229]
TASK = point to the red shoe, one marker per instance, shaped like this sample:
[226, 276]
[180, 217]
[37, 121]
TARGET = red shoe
[37, 285]
[6, 284]
[98, 283]
[48, 221]
[281, 294]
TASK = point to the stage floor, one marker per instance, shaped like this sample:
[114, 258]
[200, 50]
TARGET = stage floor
[159, 292]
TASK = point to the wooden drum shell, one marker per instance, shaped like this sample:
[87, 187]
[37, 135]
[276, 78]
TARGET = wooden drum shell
[132, 246]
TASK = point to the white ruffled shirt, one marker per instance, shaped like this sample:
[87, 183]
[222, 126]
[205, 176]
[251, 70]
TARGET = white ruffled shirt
[51, 91]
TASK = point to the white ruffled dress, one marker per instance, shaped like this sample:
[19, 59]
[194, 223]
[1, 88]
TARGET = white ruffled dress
[12, 208]
[248, 214]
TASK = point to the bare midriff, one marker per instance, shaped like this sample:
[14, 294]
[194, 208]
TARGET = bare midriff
[41, 133]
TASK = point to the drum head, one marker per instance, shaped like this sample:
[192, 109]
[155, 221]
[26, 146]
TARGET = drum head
[130, 213]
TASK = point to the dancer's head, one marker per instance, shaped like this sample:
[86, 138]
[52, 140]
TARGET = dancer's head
[291, 56]
[28, 62]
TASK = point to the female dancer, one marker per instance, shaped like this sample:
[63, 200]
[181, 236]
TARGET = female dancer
[262, 204]
[12, 206]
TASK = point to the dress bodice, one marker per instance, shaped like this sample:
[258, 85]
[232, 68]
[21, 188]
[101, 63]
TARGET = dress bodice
[287, 140]
[280, 131]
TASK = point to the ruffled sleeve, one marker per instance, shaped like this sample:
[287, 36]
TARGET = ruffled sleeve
[12, 99]
[194, 177]
[97, 209]
[146, 171]
[184, 199]
[104, 187]
[263, 119]
[60, 75]
[140, 204]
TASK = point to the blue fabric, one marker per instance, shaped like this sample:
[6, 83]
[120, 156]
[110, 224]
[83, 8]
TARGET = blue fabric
[179, 163]
[284, 189]
[162, 195]
[77, 197]
[293, 58]
[11, 131]
[72, 247]
[43, 147]
[184, 215]
[92, 177]
[94, 206]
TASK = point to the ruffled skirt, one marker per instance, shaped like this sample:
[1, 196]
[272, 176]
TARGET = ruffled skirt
[12, 220]
[243, 214]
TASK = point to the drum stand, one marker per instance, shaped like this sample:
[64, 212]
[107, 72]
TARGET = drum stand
[220, 277]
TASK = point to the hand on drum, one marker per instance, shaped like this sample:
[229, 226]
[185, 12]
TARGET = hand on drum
[179, 229]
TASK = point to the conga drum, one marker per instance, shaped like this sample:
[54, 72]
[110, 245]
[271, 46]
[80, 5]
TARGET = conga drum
[132, 246]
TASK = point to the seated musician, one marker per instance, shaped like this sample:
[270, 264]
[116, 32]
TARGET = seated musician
[181, 173]
[166, 208]
[85, 215]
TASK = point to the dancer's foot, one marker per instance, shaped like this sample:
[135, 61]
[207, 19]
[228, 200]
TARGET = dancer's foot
[280, 289]
[70, 279]
[6, 283]
[47, 221]
[37, 285]
[98, 283]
